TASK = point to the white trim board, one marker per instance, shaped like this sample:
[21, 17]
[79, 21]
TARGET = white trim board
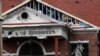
[10, 10]
[86, 29]
[67, 13]
[79, 41]
[51, 53]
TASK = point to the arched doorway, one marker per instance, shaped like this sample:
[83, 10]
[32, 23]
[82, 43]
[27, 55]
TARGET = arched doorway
[31, 49]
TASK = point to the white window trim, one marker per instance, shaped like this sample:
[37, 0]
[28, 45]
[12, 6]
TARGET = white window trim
[51, 53]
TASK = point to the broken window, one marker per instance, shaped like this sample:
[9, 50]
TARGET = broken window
[79, 49]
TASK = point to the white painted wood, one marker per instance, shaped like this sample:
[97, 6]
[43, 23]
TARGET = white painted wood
[79, 41]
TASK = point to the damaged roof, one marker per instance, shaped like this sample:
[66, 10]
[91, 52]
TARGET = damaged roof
[88, 10]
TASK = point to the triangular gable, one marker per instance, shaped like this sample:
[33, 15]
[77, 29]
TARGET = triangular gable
[52, 13]
[82, 22]
[17, 19]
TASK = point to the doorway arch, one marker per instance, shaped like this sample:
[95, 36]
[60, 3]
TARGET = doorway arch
[31, 48]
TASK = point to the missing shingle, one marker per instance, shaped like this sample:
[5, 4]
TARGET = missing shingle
[76, 1]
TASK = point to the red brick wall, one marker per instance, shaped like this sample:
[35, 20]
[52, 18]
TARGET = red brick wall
[63, 46]
[10, 45]
[8, 4]
[49, 44]
[93, 46]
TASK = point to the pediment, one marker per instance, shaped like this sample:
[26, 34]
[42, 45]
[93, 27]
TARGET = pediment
[43, 15]
[24, 16]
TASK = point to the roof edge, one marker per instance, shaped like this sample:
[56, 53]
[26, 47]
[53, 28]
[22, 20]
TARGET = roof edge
[10, 10]
[87, 29]
[68, 13]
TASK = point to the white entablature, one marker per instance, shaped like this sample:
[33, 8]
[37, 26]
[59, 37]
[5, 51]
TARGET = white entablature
[39, 32]
[26, 22]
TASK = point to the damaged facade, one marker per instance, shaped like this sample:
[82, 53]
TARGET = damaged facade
[49, 28]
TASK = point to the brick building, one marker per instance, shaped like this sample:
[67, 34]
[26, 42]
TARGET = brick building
[51, 27]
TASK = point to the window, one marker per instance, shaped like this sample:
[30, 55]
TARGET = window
[24, 15]
[79, 49]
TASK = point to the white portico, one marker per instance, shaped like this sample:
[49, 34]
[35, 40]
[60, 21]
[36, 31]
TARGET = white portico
[27, 23]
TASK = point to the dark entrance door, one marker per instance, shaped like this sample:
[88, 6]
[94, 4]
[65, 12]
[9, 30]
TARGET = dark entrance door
[31, 49]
